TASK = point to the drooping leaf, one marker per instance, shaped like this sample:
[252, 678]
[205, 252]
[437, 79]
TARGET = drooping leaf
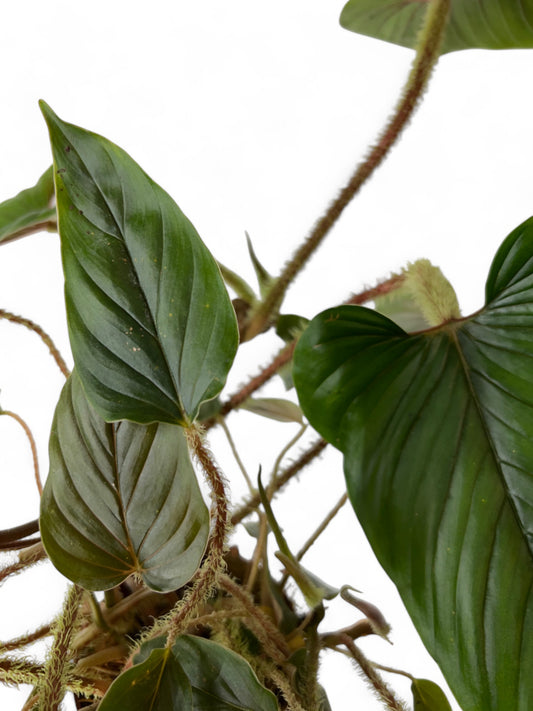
[31, 207]
[428, 696]
[491, 24]
[274, 408]
[195, 675]
[437, 435]
[120, 498]
[152, 329]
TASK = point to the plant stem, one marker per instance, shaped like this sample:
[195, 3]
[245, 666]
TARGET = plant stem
[286, 475]
[213, 563]
[322, 527]
[274, 475]
[375, 679]
[54, 352]
[54, 682]
[25, 639]
[13, 538]
[285, 354]
[270, 637]
[45, 226]
[385, 287]
[31, 556]
[236, 455]
[33, 446]
[427, 54]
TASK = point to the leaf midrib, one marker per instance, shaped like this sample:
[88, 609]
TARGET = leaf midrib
[124, 243]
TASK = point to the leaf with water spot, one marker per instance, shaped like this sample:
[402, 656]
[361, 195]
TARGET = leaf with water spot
[151, 325]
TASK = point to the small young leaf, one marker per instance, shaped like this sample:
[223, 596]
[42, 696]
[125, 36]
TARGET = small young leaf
[425, 298]
[152, 329]
[120, 498]
[428, 696]
[264, 279]
[274, 408]
[28, 209]
[492, 24]
[290, 326]
[217, 678]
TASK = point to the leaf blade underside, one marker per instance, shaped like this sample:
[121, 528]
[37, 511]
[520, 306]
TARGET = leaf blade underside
[120, 498]
[488, 24]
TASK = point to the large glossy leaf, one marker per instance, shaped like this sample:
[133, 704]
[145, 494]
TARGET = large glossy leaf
[485, 24]
[437, 434]
[152, 329]
[120, 498]
[28, 209]
[196, 675]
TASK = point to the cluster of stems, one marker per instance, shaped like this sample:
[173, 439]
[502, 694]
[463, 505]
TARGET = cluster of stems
[240, 603]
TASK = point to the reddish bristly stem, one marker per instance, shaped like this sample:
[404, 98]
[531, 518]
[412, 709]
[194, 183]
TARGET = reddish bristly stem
[47, 340]
[427, 54]
[213, 563]
[33, 446]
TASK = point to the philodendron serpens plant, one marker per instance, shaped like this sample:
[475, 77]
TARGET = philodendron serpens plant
[161, 612]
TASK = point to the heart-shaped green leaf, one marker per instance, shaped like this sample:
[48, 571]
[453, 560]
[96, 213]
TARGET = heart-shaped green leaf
[30, 208]
[152, 329]
[196, 675]
[490, 24]
[437, 435]
[120, 498]
[428, 696]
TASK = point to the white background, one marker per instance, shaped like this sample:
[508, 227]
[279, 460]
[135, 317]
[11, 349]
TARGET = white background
[252, 115]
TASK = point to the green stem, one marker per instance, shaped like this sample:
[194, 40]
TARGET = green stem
[427, 54]
[286, 475]
[33, 446]
[374, 679]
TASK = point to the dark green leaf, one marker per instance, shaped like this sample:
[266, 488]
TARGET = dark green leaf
[437, 435]
[157, 684]
[28, 209]
[219, 679]
[428, 696]
[152, 329]
[120, 498]
[491, 24]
